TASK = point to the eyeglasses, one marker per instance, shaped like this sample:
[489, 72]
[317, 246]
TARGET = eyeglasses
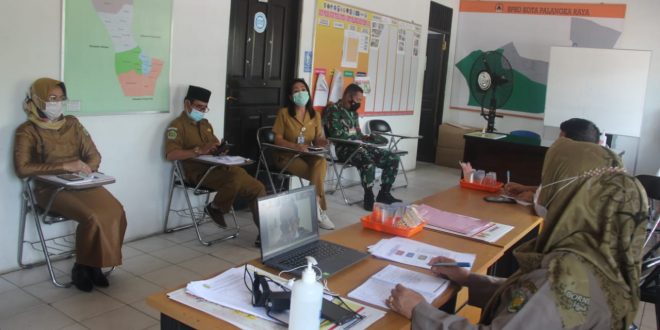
[55, 98]
[200, 108]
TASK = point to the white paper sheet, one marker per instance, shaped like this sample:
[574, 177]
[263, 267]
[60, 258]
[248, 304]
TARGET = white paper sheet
[321, 91]
[223, 159]
[379, 286]
[410, 252]
[96, 178]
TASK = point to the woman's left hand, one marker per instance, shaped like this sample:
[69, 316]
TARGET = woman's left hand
[404, 300]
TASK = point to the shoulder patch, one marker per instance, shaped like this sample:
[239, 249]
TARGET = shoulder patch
[172, 133]
[520, 294]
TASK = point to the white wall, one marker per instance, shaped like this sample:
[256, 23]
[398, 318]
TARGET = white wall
[132, 145]
[640, 32]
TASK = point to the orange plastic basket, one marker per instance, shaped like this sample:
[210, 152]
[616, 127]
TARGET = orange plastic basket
[477, 186]
[405, 232]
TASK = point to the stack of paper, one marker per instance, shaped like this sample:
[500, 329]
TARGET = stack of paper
[410, 252]
[457, 223]
[378, 287]
[228, 289]
[227, 297]
[462, 225]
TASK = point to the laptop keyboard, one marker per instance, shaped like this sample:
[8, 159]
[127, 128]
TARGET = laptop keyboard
[319, 251]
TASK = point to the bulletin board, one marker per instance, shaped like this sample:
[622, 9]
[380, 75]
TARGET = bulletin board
[378, 52]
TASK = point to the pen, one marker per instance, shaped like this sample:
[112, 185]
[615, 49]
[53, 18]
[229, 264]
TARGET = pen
[508, 176]
[451, 264]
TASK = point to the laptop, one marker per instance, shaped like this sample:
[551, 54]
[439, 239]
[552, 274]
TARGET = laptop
[289, 231]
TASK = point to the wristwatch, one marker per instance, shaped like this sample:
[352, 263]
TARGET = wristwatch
[196, 151]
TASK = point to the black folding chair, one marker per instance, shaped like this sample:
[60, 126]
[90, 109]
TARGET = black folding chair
[381, 127]
[197, 215]
[57, 244]
[650, 277]
[266, 142]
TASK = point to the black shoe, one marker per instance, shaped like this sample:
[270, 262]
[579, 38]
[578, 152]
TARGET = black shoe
[257, 242]
[97, 276]
[386, 198]
[368, 202]
[216, 215]
[80, 278]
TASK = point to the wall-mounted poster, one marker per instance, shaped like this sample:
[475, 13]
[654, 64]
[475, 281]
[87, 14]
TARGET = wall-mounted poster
[524, 32]
[373, 50]
[117, 55]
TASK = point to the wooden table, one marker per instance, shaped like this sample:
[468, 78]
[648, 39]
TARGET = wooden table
[471, 203]
[345, 281]
[458, 200]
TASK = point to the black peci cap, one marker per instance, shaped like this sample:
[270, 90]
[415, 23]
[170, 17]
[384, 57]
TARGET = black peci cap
[198, 93]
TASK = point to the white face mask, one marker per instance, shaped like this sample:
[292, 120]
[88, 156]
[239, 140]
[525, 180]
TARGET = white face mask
[540, 210]
[53, 110]
[196, 115]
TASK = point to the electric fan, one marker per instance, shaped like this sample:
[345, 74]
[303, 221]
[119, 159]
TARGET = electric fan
[491, 84]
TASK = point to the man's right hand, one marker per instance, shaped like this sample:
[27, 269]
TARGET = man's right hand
[208, 148]
[459, 275]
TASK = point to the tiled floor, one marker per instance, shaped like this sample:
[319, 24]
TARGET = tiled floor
[29, 301]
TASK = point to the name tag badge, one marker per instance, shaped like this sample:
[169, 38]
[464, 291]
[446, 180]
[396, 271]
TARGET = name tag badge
[352, 131]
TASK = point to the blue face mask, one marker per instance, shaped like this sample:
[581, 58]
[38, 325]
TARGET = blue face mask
[301, 98]
[195, 115]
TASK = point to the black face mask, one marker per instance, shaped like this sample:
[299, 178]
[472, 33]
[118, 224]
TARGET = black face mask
[355, 106]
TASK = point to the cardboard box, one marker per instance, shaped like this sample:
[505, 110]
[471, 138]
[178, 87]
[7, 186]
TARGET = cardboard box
[449, 149]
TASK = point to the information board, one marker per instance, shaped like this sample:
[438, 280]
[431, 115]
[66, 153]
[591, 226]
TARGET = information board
[378, 52]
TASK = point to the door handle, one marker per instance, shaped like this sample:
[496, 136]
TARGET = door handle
[231, 98]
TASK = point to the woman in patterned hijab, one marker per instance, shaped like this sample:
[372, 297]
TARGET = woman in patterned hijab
[583, 270]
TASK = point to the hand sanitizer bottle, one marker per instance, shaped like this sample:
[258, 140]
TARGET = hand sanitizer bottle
[306, 299]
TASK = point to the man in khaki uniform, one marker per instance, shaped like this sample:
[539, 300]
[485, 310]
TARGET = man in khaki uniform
[189, 136]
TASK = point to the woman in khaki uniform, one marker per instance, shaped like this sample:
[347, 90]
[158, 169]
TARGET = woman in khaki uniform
[297, 127]
[583, 270]
[50, 143]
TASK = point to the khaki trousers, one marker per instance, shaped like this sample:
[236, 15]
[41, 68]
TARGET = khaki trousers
[230, 182]
[311, 168]
[101, 223]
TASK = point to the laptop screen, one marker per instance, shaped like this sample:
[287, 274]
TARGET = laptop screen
[287, 221]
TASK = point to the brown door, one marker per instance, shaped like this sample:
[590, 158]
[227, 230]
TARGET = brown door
[435, 76]
[259, 66]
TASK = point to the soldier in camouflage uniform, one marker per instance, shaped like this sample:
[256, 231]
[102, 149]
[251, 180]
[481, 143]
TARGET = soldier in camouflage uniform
[341, 120]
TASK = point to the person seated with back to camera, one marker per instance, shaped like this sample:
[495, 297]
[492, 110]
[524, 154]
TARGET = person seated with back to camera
[51, 143]
[581, 272]
[298, 127]
[191, 135]
[342, 123]
[576, 129]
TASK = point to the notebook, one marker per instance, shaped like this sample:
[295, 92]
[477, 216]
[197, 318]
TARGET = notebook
[289, 232]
